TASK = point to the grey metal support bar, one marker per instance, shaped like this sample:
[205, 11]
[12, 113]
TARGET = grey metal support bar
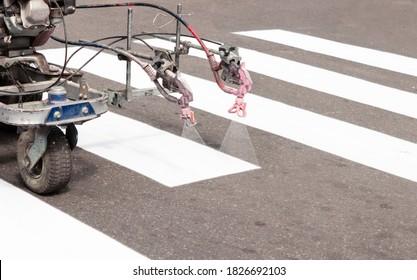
[129, 47]
[178, 37]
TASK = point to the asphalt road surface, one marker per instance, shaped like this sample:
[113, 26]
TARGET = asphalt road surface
[323, 166]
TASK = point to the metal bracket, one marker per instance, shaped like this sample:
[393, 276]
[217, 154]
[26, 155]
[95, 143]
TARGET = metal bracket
[118, 97]
[37, 58]
[83, 89]
[38, 147]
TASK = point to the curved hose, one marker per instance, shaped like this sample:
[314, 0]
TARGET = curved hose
[210, 56]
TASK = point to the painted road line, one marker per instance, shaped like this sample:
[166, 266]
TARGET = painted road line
[358, 144]
[169, 159]
[385, 60]
[365, 146]
[329, 82]
[32, 229]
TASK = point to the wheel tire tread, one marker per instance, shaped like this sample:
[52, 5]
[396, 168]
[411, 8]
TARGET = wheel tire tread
[61, 162]
[58, 159]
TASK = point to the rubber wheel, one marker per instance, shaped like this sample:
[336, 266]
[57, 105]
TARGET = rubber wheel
[53, 171]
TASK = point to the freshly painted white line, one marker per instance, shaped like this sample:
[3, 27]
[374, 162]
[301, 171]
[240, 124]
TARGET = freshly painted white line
[164, 157]
[365, 146]
[385, 60]
[32, 229]
[344, 86]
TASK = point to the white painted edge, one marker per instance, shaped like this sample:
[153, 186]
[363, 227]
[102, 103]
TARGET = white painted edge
[32, 229]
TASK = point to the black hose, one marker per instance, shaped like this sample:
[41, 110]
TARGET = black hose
[165, 94]
[119, 51]
[210, 56]
[132, 4]
[140, 4]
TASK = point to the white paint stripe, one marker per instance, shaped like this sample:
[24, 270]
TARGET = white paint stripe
[352, 142]
[32, 229]
[164, 157]
[365, 146]
[380, 59]
[344, 86]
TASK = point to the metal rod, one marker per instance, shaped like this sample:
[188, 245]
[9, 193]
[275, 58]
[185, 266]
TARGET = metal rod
[129, 47]
[178, 37]
[191, 45]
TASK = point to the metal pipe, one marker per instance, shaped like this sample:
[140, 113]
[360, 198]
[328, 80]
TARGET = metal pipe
[128, 62]
[178, 37]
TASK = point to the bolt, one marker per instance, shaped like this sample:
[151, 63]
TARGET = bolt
[70, 9]
[7, 40]
[84, 110]
[57, 115]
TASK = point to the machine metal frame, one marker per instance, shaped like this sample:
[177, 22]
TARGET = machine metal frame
[47, 125]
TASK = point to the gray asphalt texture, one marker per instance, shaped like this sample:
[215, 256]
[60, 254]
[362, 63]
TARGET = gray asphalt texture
[303, 203]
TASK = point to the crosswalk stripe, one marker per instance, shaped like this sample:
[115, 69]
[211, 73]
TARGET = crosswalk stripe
[32, 229]
[169, 159]
[329, 82]
[365, 146]
[385, 60]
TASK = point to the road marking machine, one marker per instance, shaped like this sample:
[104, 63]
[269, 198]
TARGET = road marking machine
[45, 102]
